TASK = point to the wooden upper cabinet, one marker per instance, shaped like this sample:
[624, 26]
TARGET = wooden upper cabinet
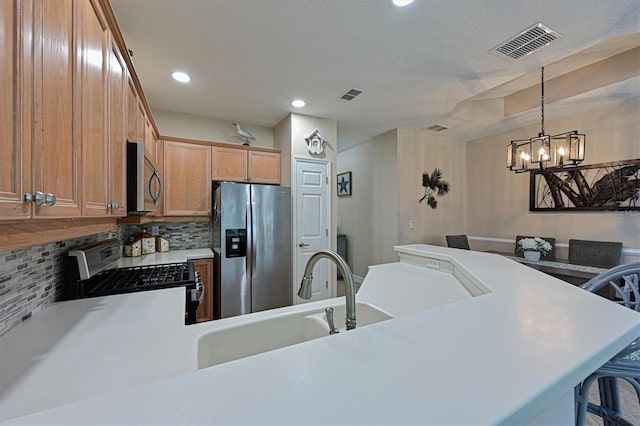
[94, 52]
[187, 178]
[15, 109]
[245, 165]
[117, 84]
[264, 167]
[149, 139]
[140, 123]
[229, 164]
[132, 110]
[56, 142]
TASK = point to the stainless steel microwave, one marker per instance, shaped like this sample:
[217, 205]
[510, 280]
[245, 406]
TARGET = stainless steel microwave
[144, 185]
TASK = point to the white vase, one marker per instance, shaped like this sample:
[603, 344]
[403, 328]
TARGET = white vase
[532, 256]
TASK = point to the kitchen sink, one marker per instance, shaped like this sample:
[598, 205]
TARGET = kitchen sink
[220, 346]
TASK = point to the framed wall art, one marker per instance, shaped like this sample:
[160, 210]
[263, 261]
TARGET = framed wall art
[611, 186]
[344, 184]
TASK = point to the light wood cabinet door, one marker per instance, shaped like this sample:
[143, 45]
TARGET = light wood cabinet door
[117, 84]
[187, 177]
[229, 164]
[264, 167]
[94, 47]
[140, 123]
[205, 268]
[15, 109]
[132, 110]
[56, 147]
[149, 139]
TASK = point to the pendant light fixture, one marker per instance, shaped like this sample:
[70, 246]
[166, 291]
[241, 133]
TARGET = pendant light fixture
[544, 151]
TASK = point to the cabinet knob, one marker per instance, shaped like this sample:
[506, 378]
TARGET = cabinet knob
[109, 206]
[50, 199]
[38, 198]
[116, 206]
[29, 198]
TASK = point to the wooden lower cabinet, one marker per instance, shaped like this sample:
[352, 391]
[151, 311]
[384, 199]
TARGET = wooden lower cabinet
[205, 268]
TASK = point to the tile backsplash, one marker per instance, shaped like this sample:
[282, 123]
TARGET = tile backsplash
[32, 278]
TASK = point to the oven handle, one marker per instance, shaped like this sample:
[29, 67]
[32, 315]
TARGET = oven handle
[199, 287]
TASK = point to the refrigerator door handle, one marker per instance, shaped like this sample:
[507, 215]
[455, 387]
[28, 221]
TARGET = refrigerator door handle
[254, 231]
[249, 226]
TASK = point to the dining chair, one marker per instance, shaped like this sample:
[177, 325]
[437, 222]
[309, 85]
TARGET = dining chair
[623, 280]
[458, 241]
[549, 256]
[603, 254]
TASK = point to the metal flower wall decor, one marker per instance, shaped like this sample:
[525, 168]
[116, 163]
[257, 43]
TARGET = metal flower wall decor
[433, 185]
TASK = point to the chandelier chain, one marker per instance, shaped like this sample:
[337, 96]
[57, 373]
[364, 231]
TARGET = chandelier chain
[542, 101]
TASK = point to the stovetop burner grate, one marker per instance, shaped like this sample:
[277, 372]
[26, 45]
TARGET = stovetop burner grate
[139, 278]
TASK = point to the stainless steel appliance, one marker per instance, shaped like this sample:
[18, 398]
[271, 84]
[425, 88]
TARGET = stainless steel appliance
[144, 186]
[251, 235]
[91, 272]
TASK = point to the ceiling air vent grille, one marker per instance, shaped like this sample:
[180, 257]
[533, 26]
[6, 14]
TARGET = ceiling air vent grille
[436, 128]
[350, 94]
[533, 38]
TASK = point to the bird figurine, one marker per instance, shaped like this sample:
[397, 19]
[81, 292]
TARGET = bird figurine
[244, 135]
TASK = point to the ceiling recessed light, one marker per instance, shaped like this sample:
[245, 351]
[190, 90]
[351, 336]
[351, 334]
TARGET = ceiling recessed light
[181, 77]
[402, 3]
[298, 103]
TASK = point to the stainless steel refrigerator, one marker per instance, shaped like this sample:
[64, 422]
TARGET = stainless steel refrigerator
[251, 238]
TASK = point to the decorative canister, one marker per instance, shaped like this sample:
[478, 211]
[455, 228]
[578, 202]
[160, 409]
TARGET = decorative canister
[148, 242]
[133, 248]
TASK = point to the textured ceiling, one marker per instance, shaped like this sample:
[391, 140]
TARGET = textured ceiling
[249, 58]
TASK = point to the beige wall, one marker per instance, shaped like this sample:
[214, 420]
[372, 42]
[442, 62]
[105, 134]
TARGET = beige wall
[419, 152]
[282, 141]
[498, 199]
[369, 216]
[208, 129]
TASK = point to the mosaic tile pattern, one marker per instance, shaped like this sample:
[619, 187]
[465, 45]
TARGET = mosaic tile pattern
[31, 278]
[181, 236]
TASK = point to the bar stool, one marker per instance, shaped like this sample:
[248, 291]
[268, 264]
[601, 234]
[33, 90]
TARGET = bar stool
[625, 365]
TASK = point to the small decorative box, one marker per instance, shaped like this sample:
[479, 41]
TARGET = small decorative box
[133, 248]
[162, 244]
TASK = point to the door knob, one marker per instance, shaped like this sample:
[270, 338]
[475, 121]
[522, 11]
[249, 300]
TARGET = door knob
[303, 245]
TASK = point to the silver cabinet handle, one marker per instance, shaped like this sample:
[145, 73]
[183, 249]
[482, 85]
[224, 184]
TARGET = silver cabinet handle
[39, 198]
[49, 199]
[303, 245]
[29, 198]
[109, 206]
[117, 206]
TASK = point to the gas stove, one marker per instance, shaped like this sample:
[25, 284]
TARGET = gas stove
[92, 272]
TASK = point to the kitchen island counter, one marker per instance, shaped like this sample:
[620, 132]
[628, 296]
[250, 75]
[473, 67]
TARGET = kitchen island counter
[504, 345]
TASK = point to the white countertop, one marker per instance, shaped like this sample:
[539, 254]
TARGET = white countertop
[174, 256]
[503, 356]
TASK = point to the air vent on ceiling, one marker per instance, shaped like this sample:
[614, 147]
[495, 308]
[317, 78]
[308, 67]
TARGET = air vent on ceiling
[533, 38]
[436, 128]
[350, 94]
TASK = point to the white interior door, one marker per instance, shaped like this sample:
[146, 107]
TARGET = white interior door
[312, 215]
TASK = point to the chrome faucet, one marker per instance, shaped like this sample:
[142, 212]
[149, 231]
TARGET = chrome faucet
[350, 294]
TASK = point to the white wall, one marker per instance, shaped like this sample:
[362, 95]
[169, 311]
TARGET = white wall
[208, 129]
[282, 141]
[369, 216]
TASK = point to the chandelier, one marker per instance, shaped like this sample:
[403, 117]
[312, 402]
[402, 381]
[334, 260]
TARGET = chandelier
[544, 151]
